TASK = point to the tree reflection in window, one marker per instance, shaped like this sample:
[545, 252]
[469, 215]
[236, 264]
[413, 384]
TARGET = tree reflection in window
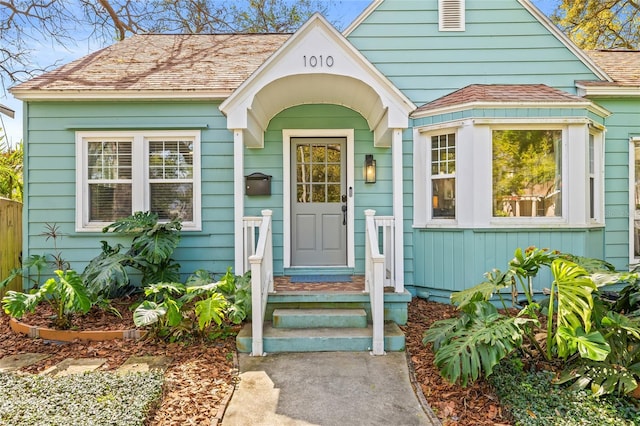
[318, 172]
[527, 173]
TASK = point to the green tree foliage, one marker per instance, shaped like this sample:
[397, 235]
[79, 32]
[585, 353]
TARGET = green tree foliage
[11, 159]
[600, 24]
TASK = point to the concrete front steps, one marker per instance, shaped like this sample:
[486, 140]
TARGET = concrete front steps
[320, 330]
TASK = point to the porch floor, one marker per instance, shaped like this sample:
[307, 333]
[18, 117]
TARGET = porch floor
[284, 284]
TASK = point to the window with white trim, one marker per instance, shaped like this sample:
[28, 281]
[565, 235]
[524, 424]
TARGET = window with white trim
[635, 190]
[504, 173]
[527, 173]
[443, 176]
[119, 173]
[451, 15]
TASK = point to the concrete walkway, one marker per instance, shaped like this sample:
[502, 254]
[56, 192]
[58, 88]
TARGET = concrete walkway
[325, 388]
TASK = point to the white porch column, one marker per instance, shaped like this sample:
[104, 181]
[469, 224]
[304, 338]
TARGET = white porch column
[398, 208]
[238, 199]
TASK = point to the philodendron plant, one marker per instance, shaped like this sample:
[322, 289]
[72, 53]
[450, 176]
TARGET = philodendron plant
[66, 294]
[176, 310]
[475, 342]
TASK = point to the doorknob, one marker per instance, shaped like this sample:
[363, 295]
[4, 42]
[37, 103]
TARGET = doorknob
[344, 214]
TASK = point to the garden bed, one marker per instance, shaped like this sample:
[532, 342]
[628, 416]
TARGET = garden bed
[202, 373]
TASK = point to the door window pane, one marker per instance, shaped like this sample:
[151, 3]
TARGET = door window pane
[320, 166]
[527, 173]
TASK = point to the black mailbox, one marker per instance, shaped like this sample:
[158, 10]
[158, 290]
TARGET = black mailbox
[258, 184]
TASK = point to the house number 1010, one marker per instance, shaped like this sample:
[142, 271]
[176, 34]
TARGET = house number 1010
[318, 61]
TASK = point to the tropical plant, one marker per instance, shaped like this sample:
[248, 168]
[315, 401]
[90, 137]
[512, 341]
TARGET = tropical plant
[66, 294]
[619, 372]
[481, 337]
[176, 310]
[474, 343]
[152, 246]
[11, 164]
[42, 264]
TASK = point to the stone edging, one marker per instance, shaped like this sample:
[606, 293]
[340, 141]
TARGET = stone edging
[71, 335]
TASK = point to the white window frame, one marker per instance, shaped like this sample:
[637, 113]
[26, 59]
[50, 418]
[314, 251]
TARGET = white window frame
[474, 168]
[633, 260]
[451, 15]
[140, 173]
[598, 176]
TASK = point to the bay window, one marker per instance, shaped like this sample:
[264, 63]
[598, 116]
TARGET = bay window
[527, 173]
[119, 173]
[505, 173]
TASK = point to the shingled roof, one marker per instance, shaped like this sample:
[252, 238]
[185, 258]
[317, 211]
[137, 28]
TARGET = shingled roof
[213, 63]
[501, 93]
[623, 66]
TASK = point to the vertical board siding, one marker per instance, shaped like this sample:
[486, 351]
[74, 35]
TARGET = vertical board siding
[453, 260]
[269, 160]
[622, 125]
[50, 195]
[401, 38]
[10, 242]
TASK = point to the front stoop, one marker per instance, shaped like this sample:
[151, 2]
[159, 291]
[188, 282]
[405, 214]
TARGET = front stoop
[320, 330]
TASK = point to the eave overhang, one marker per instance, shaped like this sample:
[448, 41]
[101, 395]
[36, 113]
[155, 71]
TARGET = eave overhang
[7, 111]
[338, 74]
[603, 91]
[120, 95]
[589, 106]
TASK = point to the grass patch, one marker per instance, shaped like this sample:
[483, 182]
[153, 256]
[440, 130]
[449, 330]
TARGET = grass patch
[96, 398]
[533, 400]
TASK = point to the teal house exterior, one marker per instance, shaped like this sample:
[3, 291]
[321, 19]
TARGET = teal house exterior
[413, 152]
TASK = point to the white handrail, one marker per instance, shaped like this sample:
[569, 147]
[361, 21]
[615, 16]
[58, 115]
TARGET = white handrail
[387, 223]
[374, 281]
[261, 261]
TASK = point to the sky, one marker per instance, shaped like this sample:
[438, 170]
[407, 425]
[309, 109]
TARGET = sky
[344, 12]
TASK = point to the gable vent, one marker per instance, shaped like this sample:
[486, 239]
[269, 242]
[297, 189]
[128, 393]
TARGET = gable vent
[451, 15]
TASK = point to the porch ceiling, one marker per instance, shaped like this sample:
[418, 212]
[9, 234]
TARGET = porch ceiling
[334, 89]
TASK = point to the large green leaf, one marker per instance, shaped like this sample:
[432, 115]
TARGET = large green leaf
[157, 244]
[495, 281]
[107, 273]
[211, 309]
[161, 290]
[604, 378]
[441, 331]
[590, 345]
[69, 290]
[17, 304]
[574, 288]
[478, 347]
[148, 313]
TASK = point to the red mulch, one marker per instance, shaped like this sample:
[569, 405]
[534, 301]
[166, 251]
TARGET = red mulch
[196, 384]
[476, 404]
[202, 374]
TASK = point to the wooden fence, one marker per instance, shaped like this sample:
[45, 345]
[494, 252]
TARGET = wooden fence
[10, 241]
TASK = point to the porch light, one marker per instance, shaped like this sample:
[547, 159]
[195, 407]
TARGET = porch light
[369, 169]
